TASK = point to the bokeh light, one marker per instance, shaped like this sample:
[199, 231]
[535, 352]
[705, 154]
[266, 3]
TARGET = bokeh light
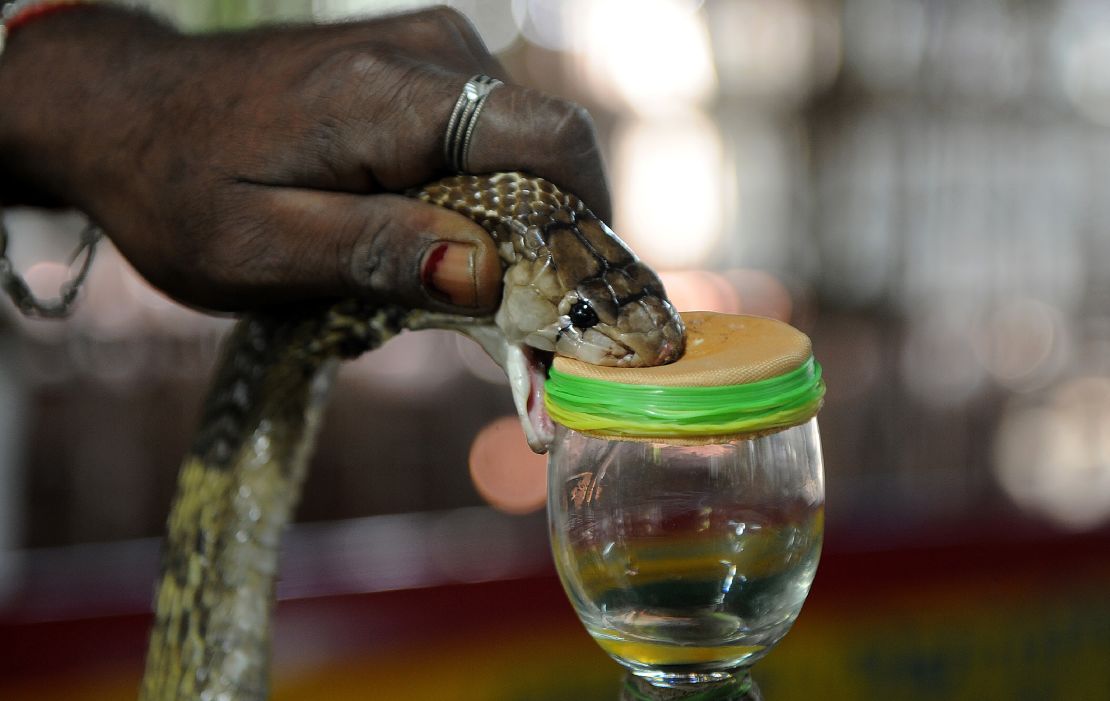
[1023, 343]
[700, 290]
[669, 190]
[44, 278]
[654, 55]
[1082, 52]
[736, 291]
[885, 42]
[773, 50]
[494, 21]
[505, 471]
[1054, 458]
[938, 364]
[545, 23]
[345, 9]
[761, 293]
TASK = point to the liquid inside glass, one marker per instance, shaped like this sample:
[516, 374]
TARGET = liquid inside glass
[687, 562]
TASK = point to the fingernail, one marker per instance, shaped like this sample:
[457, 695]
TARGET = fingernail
[449, 272]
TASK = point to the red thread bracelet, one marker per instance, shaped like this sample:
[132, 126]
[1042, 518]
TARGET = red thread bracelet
[39, 10]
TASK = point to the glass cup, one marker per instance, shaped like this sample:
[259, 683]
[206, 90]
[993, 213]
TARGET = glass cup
[687, 562]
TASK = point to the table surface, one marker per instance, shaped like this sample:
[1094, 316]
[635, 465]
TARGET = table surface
[934, 619]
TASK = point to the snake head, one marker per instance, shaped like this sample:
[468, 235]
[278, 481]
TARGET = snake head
[621, 317]
[585, 296]
[571, 287]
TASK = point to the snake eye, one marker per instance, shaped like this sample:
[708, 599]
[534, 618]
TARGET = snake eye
[582, 315]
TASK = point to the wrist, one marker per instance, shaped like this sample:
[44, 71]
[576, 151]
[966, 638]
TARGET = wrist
[64, 78]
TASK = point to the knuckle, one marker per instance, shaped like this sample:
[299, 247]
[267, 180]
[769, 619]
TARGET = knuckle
[370, 264]
[364, 77]
[360, 92]
[339, 70]
[387, 246]
[447, 16]
[454, 21]
[440, 26]
[573, 128]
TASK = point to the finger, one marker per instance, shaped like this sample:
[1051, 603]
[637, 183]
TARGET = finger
[518, 129]
[422, 34]
[440, 36]
[470, 36]
[387, 248]
[522, 129]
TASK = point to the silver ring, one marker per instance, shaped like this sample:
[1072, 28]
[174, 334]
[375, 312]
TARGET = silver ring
[460, 128]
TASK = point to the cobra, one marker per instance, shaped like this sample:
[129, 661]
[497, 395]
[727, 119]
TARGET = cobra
[570, 287]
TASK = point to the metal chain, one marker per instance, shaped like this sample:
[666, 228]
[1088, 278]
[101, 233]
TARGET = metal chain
[12, 282]
[61, 306]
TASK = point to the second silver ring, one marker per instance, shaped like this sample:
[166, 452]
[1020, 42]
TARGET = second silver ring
[460, 128]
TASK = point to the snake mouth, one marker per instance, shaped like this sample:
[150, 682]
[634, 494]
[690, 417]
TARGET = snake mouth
[526, 368]
[538, 363]
[598, 345]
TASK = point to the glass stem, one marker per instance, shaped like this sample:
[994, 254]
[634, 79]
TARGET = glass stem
[737, 688]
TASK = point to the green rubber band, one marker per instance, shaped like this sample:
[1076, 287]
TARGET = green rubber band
[653, 411]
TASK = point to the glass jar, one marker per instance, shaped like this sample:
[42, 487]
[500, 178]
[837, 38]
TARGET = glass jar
[688, 556]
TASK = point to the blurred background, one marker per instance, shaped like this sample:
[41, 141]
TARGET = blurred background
[923, 186]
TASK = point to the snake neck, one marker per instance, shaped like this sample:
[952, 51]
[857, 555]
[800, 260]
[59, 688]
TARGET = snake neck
[267, 360]
[237, 490]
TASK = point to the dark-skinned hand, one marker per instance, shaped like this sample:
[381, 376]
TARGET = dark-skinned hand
[242, 169]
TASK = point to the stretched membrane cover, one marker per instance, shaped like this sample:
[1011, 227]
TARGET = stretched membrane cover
[741, 377]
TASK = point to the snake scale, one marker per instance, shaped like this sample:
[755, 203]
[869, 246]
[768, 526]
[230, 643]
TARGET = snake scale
[570, 287]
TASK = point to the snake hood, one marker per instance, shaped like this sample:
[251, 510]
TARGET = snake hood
[571, 287]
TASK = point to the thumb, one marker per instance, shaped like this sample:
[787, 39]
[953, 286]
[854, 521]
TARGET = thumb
[387, 248]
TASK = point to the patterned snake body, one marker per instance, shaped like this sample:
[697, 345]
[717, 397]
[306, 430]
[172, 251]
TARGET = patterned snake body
[570, 286]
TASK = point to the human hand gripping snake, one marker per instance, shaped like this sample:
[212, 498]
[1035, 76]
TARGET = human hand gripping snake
[570, 287]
